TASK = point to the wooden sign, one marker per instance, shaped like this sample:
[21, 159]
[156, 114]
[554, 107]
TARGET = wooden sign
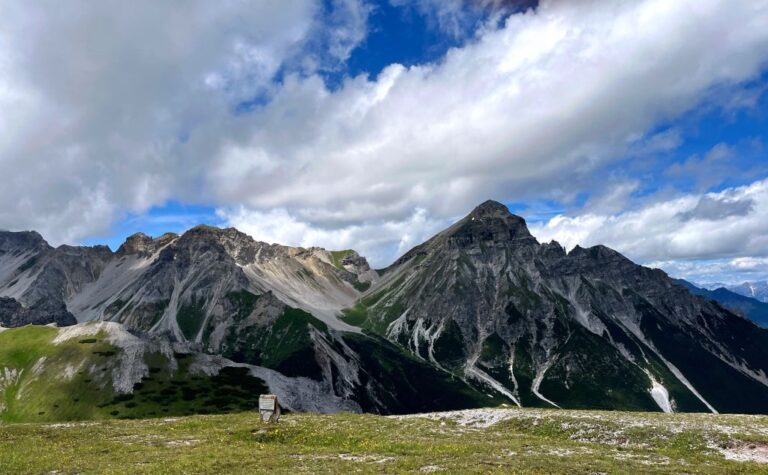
[269, 408]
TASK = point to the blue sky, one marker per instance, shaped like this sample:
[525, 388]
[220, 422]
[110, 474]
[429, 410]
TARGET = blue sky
[373, 124]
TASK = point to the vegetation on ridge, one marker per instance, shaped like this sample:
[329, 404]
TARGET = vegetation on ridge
[338, 256]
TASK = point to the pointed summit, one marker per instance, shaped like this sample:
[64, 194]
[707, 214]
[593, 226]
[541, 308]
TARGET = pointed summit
[492, 211]
[491, 221]
[490, 207]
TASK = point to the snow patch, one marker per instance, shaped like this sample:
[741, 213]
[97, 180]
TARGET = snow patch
[660, 394]
[672, 368]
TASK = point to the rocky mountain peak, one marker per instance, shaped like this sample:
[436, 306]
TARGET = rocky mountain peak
[142, 244]
[135, 244]
[218, 234]
[21, 241]
[599, 254]
[238, 245]
[490, 208]
[491, 221]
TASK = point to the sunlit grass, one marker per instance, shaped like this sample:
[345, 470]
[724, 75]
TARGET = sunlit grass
[531, 441]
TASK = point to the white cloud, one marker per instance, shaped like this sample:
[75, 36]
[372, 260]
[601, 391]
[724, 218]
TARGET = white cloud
[378, 241]
[135, 101]
[102, 96]
[526, 110]
[716, 271]
[715, 234]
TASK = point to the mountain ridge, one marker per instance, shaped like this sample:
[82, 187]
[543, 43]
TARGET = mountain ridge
[481, 310]
[751, 308]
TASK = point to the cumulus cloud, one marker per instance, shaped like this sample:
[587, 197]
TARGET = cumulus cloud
[712, 234]
[120, 106]
[378, 241]
[98, 98]
[716, 272]
[525, 108]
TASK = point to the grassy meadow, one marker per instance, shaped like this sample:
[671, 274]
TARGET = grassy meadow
[474, 441]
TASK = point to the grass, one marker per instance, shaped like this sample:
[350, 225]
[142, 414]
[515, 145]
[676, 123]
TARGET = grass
[165, 393]
[289, 344]
[338, 256]
[405, 384]
[73, 381]
[530, 441]
[190, 316]
[285, 346]
[375, 320]
[361, 286]
[48, 395]
[355, 316]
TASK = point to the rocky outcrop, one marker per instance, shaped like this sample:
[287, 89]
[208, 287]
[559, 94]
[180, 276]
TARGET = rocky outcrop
[13, 314]
[142, 245]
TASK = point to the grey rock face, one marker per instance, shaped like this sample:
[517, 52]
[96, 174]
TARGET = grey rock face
[485, 301]
[13, 314]
[25, 241]
[38, 279]
[143, 245]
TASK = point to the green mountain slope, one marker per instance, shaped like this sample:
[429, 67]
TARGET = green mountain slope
[44, 377]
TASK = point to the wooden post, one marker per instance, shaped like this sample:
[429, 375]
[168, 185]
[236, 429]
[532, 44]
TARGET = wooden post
[269, 408]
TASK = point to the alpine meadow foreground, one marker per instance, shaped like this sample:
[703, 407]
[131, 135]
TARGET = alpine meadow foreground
[473, 441]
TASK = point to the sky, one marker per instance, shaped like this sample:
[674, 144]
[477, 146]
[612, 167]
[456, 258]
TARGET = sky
[638, 124]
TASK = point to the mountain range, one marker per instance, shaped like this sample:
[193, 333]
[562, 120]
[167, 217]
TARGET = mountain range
[750, 307]
[481, 314]
[757, 290]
